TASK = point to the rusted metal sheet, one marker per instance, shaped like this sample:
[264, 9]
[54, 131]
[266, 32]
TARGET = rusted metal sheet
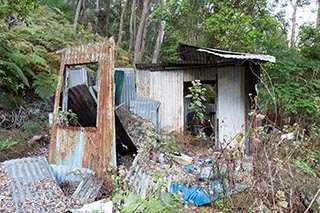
[208, 55]
[88, 147]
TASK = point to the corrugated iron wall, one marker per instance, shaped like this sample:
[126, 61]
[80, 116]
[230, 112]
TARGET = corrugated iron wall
[88, 147]
[231, 104]
[167, 87]
[128, 88]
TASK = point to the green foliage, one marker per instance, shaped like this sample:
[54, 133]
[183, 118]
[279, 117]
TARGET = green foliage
[296, 85]
[157, 200]
[31, 126]
[168, 145]
[303, 166]
[10, 101]
[28, 61]
[45, 84]
[197, 99]
[67, 118]
[6, 144]
[15, 11]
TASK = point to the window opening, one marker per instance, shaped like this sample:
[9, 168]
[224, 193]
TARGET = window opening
[78, 106]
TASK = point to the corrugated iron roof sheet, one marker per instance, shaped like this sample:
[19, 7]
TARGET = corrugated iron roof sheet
[234, 55]
[207, 55]
[193, 56]
[24, 176]
[32, 187]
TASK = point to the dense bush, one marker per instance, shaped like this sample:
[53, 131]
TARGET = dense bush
[29, 63]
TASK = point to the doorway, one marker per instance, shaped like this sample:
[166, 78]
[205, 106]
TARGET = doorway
[191, 123]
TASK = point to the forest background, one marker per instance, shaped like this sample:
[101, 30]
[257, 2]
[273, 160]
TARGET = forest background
[146, 31]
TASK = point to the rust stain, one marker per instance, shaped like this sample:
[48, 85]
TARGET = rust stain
[98, 142]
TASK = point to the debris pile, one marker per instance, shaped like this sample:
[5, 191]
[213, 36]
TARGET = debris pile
[200, 180]
[29, 185]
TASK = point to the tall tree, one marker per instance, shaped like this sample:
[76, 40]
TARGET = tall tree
[132, 26]
[318, 16]
[76, 16]
[96, 18]
[294, 4]
[107, 18]
[120, 33]
[141, 34]
[160, 36]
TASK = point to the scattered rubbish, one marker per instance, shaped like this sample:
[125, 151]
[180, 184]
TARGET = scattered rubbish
[206, 173]
[191, 195]
[200, 196]
[288, 136]
[183, 159]
[190, 169]
[104, 206]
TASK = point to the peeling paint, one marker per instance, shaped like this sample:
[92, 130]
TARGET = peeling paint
[87, 147]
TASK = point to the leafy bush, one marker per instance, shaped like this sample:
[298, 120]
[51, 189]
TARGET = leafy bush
[28, 61]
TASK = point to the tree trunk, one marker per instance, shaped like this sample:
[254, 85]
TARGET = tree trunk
[293, 22]
[76, 16]
[96, 18]
[159, 40]
[139, 44]
[144, 38]
[121, 26]
[83, 12]
[160, 35]
[131, 28]
[318, 16]
[107, 18]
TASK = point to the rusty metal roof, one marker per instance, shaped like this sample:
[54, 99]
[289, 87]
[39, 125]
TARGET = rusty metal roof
[208, 55]
[192, 56]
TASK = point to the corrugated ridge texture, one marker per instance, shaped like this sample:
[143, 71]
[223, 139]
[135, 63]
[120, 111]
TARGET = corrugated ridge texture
[24, 175]
[128, 92]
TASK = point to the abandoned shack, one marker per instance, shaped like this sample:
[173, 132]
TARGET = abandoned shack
[230, 76]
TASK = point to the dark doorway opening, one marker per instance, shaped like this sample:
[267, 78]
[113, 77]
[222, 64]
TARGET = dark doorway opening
[191, 123]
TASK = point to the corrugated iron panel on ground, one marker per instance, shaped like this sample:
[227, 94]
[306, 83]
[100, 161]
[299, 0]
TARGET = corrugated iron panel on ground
[68, 173]
[87, 183]
[25, 174]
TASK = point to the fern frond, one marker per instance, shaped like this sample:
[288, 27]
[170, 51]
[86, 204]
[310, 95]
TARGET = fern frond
[19, 58]
[45, 84]
[37, 59]
[16, 71]
[24, 45]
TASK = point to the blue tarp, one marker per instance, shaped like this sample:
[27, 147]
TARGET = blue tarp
[200, 196]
